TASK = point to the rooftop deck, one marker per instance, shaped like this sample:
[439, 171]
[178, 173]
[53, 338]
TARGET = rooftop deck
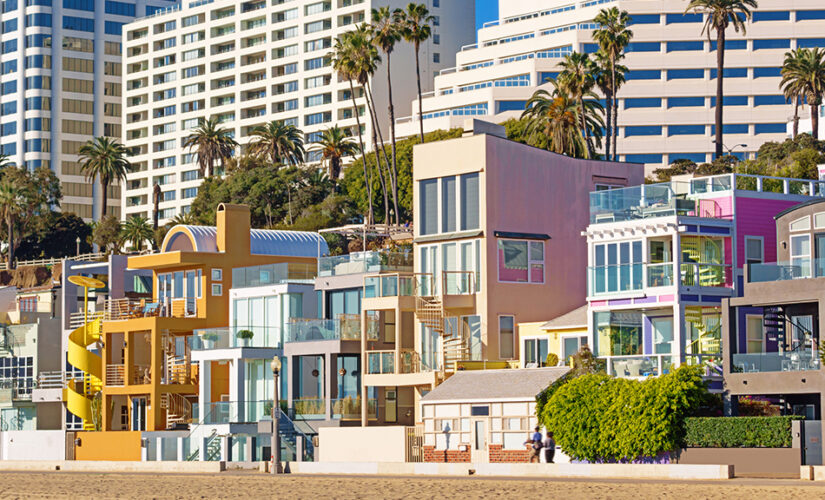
[366, 262]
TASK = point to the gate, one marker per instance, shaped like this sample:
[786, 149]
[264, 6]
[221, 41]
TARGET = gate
[813, 442]
[414, 443]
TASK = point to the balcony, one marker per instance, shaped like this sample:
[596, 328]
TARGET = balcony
[349, 408]
[125, 309]
[365, 262]
[650, 201]
[451, 283]
[383, 362]
[232, 412]
[635, 366]
[788, 361]
[781, 271]
[272, 274]
[345, 327]
[115, 375]
[234, 337]
[625, 278]
[389, 285]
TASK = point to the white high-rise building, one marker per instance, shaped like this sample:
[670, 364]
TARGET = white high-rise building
[249, 62]
[60, 86]
[667, 105]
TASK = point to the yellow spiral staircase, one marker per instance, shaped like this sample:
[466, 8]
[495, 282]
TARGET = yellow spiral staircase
[79, 392]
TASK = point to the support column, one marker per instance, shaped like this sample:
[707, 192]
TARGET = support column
[205, 388]
[158, 449]
[327, 382]
[363, 368]
[180, 450]
[236, 384]
[202, 448]
[299, 448]
[154, 420]
[226, 452]
[250, 449]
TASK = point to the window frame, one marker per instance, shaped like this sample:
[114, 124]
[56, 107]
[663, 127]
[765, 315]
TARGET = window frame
[530, 261]
[761, 240]
[513, 340]
[748, 339]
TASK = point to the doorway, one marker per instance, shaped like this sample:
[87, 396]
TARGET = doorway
[479, 453]
[391, 405]
[139, 414]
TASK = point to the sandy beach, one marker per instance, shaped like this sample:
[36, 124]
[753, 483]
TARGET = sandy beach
[257, 485]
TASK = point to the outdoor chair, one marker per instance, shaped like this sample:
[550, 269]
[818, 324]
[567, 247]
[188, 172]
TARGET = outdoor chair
[151, 309]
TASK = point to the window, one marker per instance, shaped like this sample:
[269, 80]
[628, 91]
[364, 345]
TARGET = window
[644, 47]
[39, 20]
[769, 100]
[730, 73]
[807, 15]
[448, 204]
[770, 15]
[686, 45]
[662, 335]
[755, 333]
[685, 130]
[731, 128]
[535, 352]
[643, 102]
[617, 267]
[520, 261]
[217, 274]
[694, 157]
[678, 74]
[731, 100]
[79, 23]
[644, 74]
[731, 45]
[506, 337]
[88, 5]
[618, 334]
[810, 42]
[682, 18]
[120, 8]
[469, 202]
[682, 102]
[801, 255]
[754, 250]
[769, 128]
[644, 19]
[767, 72]
[428, 193]
[642, 130]
[778, 43]
[436, 57]
[644, 158]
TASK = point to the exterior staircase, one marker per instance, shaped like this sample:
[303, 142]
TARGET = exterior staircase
[430, 312]
[773, 321]
[178, 409]
[709, 340]
[213, 449]
[177, 365]
[289, 433]
[80, 392]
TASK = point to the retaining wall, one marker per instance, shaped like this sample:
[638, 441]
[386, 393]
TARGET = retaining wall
[755, 461]
[111, 466]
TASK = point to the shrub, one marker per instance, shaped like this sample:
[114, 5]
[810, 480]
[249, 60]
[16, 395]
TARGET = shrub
[552, 359]
[739, 432]
[599, 418]
[245, 334]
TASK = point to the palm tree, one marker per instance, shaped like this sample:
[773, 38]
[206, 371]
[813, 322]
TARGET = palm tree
[212, 143]
[186, 219]
[334, 145]
[417, 29]
[803, 75]
[344, 63]
[577, 79]
[604, 80]
[156, 205]
[12, 200]
[278, 143]
[105, 158]
[613, 38]
[5, 161]
[556, 116]
[136, 230]
[385, 34]
[719, 15]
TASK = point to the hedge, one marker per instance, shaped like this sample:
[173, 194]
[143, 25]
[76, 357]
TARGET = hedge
[597, 418]
[739, 432]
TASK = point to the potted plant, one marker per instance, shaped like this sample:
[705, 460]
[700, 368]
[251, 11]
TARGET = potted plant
[245, 336]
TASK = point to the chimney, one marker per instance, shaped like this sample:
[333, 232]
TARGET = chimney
[234, 224]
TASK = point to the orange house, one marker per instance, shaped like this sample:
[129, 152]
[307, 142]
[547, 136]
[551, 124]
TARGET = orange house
[149, 382]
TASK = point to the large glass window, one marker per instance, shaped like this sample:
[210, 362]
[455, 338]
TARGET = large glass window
[506, 337]
[521, 261]
[618, 333]
[448, 204]
[662, 335]
[428, 193]
[755, 334]
[618, 267]
[801, 255]
[535, 352]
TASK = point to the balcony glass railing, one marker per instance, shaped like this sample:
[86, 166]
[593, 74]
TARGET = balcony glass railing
[365, 262]
[624, 278]
[660, 274]
[345, 327]
[231, 412]
[651, 365]
[383, 362]
[272, 274]
[236, 336]
[309, 409]
[780, 271]
[389, 285]
[698, 274]
[349, 408]
[800, 360]
[449, 283]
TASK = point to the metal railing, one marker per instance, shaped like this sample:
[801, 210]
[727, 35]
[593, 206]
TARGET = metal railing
[115, 375]
[365, 262]
[698, 274]
[125, 308]
[389, 285]
[51, 380]
[270, 274]
[78, 319]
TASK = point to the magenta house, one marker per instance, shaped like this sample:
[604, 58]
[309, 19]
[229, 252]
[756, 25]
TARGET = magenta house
[662, 257]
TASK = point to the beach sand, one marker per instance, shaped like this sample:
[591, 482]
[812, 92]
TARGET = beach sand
[259, 485]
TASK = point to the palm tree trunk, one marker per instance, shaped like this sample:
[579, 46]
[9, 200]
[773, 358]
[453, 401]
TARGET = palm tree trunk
[10, 253]
[814, 118]
[795, 116]
[156, 202]
[587, 153]
[367, 178]
[394, 169]
[376, 131]
[418, 80]
[609, 112]
[614, 107]
[720, 78]
[104, 205]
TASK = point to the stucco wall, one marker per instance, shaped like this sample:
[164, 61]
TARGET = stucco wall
[32, 445]
[362, 444]
[773, 461]
[120, 445]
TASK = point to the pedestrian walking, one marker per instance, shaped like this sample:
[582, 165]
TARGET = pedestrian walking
[534, 441]
[549, 448]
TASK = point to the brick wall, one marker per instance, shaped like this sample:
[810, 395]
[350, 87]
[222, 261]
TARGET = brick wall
[433, 455]
[497, 454]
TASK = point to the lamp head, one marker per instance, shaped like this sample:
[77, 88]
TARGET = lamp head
[276, 365]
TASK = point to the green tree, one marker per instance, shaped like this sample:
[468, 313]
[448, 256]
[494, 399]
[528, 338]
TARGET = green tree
[335, 145]
[417, 29]
[793, 84]
[106, 234]
[719, 15]
[12, 199]
[54, 235]
[577, 80]
[136, 230]
[212, 143]
[613, 37]
[386, 32]
[5, 161]
[38, 191]
[278, 143]
[104, 158]
[804, 73]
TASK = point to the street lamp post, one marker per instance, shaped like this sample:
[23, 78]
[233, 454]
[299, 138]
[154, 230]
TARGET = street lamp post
[77, 241]
[730, 150]
[276, 418]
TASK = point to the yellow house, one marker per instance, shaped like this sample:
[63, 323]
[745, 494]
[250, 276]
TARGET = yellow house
[148, 380]
[562, 336]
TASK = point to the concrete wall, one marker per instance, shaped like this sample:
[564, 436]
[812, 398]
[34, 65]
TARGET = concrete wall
[762, 461]
[117, 446]
[362, 444]
[32, 445]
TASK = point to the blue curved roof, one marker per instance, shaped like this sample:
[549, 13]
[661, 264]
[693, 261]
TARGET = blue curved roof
[265, 242]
